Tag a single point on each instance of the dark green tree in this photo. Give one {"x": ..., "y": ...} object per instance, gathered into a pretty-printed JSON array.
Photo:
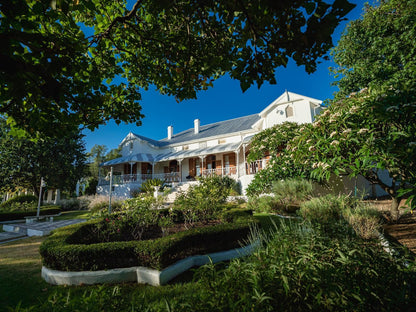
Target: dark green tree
[
  {"x": 372, "y": 131},
  {"x": 23, "y": 162},
  {"x": 54, "y": 76}
]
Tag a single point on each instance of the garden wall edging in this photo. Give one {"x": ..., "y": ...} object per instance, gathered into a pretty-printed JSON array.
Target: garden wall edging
[{"x": 142, "y": 275}]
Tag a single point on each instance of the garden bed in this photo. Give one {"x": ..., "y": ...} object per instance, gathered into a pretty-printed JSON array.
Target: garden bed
[{"x": 67, "y": 249}]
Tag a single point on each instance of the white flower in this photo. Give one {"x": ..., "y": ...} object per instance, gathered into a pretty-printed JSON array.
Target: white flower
[
  {"x": 301, "y": 129},
  {"x": 346, "y": 131},
  {"x": 308, "y": 141},
  {"x": 353, "y": 109},
  {"x": 314, "y": 165},
  {"x": 334, "y": 142},
  {"x": 363, "y": 130},
  {"x": 334, "y": 133},
  {"x": 311, "y": 148},
  {"x": 316, "y": 124}
]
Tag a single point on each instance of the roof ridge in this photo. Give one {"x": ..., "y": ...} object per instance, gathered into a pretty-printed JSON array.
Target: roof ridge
[{"x": 213, "y": 123}]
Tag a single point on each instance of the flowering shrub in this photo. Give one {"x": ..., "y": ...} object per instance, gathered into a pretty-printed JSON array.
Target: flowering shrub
[{"x": 203, "y": 201}]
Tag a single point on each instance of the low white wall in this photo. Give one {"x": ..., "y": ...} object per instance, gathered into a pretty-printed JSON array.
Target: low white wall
[{"x": 141, "y": 274}]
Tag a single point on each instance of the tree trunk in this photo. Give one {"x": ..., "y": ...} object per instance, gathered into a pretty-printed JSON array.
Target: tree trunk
[{"x": 394, "y": 210}]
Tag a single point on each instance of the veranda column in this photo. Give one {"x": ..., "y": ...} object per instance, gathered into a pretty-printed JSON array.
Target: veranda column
[
  {"x": 202, "y": 164},
  {"x": 153, "y": 170},
  {"x": 180, "y": 169},
  {"x": 238, "y": 164},
  {"x": 244, "y": 155}
]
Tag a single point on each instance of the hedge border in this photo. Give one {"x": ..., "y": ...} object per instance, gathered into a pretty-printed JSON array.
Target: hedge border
[
  {"x": 142, "y": 275},
  {"x": 20, "y": 215},
  {"x": 59, "y": 254}
]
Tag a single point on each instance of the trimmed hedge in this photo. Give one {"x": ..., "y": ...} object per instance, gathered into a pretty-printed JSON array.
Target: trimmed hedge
[
  {"x": 59, "y": 253},
  {"x": 45, "y": 210},
  {"x": 19, "y": 199}
]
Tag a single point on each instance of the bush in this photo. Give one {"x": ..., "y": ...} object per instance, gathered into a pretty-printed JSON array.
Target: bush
[
  {"x": 69, "y": 204},
  {"x": 62, "y": 250},
  {"x": 292, "y": 191},
  {"x": 91, "y": 187},
  {"x": 18, "y": 215},
  {"x": 100, "y": 203},
  {"x": 298, "y": 269},
  {"x": 23, "y": 201},
  {"x": 148, "y": 186},
  {"x": 365, "y": 220},
  {"x": 263, "y": 204},
  {"x": 203, "y": 201}
]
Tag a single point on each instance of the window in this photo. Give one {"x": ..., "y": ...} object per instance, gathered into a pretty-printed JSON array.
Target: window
[
  {"x": 202, "y": 144},
  {"x": 131, "y": 146},
  {"x": 222, "y": 141},
  {"x": 185, "y": 147},
  {"x": 289, "y": 111}
]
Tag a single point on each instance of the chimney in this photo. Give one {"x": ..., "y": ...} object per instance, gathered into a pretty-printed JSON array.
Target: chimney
[
  {"x": 196, "y": 126},
  {"x": 170, "y": 132}
]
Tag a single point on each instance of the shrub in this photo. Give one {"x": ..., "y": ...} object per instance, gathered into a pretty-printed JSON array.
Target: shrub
[
  {"x": 364, "y": 219},
  {"x": 203, "y": 201},
  {"x": 100, "y": 203},
  {"x": 62, "y": 250},
  {"x": 91, "y": 187},
  {"x": 18, "y": 215},
  {"x": 323, "y": 210},
  {"x": 298, "y": 269},
  {"x": 263, "y": 204},
  {"x": 148, "y": 186},
  {"x": 69, "y": 204},
  {"x": 19, "y": 202},
  {"x": 292, "y": 191},
  {"x": 233, "y": 214}
]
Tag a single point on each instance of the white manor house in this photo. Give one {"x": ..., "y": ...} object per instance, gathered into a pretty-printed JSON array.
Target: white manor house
[{"x": 219, "y": 148}]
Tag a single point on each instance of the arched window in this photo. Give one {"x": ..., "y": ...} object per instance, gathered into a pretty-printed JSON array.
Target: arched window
[{"x": 289, "y": 111}]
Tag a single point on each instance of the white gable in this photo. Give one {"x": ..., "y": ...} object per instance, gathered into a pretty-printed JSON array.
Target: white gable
[{"x": 289, "y": 107}]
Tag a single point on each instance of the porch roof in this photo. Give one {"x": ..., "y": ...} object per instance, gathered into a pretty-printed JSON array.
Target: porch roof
[
  {"x": 221, "y": 148},
  {"x": 142, "y": 157}
]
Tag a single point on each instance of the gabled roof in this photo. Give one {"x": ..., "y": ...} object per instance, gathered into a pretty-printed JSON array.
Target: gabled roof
[
  {"x": 215, "y": 129},
  {"x": 288, "y": 97},
  {"x": 132, "y": 136}
]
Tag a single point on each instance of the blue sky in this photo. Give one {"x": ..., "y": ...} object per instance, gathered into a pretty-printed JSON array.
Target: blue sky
[{"x": 224, "y": 101}]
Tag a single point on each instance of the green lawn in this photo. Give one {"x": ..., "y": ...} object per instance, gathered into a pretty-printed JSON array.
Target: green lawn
[
  {"x": 76, "y": 214},
  {"x": 20, "y": 278}
]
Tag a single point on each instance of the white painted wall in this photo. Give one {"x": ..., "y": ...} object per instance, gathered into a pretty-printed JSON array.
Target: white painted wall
[{"x": 139, "y": 146}]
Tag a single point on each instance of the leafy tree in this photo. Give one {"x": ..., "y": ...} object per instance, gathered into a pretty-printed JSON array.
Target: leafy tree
[
  {"x": 60, "y": 161},
  {"x": 274, "y": 141},
  {"x": 98, "y": 155},
  {"x": 374, "y": 130},
  {"x": 54, "y": 76}
]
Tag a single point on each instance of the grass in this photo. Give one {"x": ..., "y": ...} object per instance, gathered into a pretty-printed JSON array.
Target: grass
[
  {"x": 20, "y": 279},
  {"x": 76, "y": 214}
]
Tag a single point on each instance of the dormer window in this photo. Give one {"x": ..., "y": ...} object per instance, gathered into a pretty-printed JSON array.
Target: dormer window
[
  {"x": 131, "y": 146},
  {"x": 289, "y": 111}
]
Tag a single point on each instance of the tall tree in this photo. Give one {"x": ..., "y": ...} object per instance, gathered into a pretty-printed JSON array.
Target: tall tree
[
  {"x": 98, "y": 155},
  {"x": 23, "y": 162},
  {"x": 374, "y": 130},
  {"x": 54, "y": 76}
]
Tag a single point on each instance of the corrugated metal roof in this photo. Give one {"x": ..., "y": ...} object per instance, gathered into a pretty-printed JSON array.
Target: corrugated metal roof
[
  {"x": 142, "y": 157},
  {"x": 221, "y": 148},
  {"x": 214, "y": 129},
  {"x": 151, "y": 141}
]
